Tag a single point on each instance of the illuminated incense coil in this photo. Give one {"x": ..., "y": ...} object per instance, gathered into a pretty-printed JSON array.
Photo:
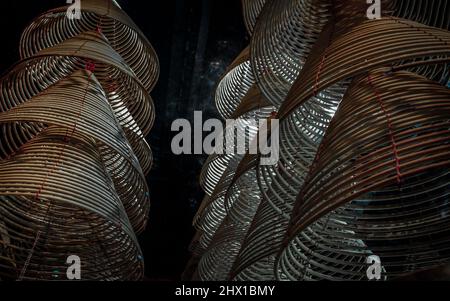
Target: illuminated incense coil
[
  {"x": 309, "y": 58},
  {"x": 257, "y": 247},
  {"x": 230, "y": 81},
  {"x": 406, "y": 40},
  {"x": 242, "y": 202},
  {"x": 234, "y": 85},
  {"x": 244, "y": 107},
  {"x": 76, "y": 203},
  {"x": 287, "y": 30},
  {"x": 251, "y": 10},
  {"x": 53, "y": 27},
  {"x": 217, "y": 164},
  {"x": 289, "y": 182},
  {"x": 218, "y": 173},
  {"x": 278, "y": 49},
  {"x": 73, "y": 117},
  {"x": 384, "y": 161},
  {"x": 131, "y": 103},
  {"x": 61, "y": 105}
]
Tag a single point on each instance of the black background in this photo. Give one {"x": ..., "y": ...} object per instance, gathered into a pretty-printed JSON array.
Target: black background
[{"x": 195, "y": 41}]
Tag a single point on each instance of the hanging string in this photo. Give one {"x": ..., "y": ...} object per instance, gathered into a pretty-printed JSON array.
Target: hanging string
[
  {"x": 99, "y": 27},
  {"x": 390, "y": 129},
  {"x": 319, "y": 71}
]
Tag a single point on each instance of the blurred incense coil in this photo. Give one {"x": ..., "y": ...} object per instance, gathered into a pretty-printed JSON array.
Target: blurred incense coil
[{"x": 74, "y": 114}]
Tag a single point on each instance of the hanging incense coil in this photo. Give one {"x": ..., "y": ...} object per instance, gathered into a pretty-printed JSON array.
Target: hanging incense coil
[
  {"x": 236, "y": 97},
  {"x": 277, "y": 57},
  {"x": 60, "y": 106},
  {"x": 221, "y": 169},
  {"x": 132, "y": 104},
  {"x": 287, "y": 31},
  {"x": 291, "y": 44},
  {"x": 380, "y": 179},
  {"x": 73, "y": 117},
  {"x": 291, "y": 183},
  {"x": 234, "y": 85},
  {"x": 212, "y": 212},
  {"x": 71, "y": 207},
  {"x": 427, "y": 42},
  {"x": 217, "y": 164},
  {"x": 35, "y": 72},
  {"x": 63, "y": 108},
  {"x": 241, "y": 204},
  {"x": 53, "y": 27},
  {"x": 270, "y": 216}
]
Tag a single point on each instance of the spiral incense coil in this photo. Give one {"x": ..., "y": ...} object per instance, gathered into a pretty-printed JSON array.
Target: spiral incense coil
[
  {"x": 385, "y": 159},
  {"x": 93, "y": 117},
  {"x": 287, "y": 30},
  {"x": 73, "y": 116},
  {"x": 279, "y": 185},
  {"x": 242, "y": 200},
  {"x": 53, "y": 27},
  {"x": 280, "y": 49},
  {"x": 365, "y": 48},
  {"x": 76, "y": 203},
  {"x": 239, "y": 98},
  {"x": 212, "y": 211},
  {"x": 217, "y": 164},
  {"x": 221, "y": 244},
  {"x": 303, "y": 56},
  {"x": 132, "y": 104},
  {"x": 268, "y": 219},
  {"x": 242, "y": 203},
  {"x": 251, "y": 10},
  {"x": 321, "y": 99},
  {"x": 219, "y": 172},
  {"x": 282, "y": 188},
  {"x": 305, "y": 126},
  {"x": 234, "y": 85}
]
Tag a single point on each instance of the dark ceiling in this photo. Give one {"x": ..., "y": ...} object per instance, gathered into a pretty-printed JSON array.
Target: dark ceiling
[{"x": 195, "y": 41}]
